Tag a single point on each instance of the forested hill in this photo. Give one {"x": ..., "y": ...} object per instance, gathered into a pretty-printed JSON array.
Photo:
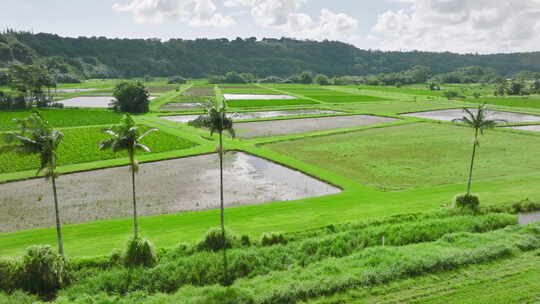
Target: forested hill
[{"x": 102, "y": 57}]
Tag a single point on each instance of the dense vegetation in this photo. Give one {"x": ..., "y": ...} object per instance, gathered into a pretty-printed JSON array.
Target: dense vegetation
[{"x": 98, "y": 57}]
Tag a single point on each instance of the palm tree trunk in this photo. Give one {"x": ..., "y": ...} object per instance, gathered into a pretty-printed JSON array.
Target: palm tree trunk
[
  {"x": 472, "y": 162},
  {"x": 57, "y": 214},
  {"x": 222, "y": 207},
  {"x": 135, "y": 217}
]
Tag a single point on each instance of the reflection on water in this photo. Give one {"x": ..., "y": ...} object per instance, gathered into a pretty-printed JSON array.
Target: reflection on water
[
  {"x": 254, "y": 115},
  {"x": 451, "y": 114},
  {"x": 529, "y": 217}
]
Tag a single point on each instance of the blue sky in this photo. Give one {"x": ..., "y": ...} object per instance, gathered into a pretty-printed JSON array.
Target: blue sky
[{"x": 484, "y": 26}]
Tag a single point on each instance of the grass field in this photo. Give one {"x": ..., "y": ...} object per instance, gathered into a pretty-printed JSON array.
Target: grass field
[
  {"x": 81, "y": 145},
  {"x": 345, "y": 98},
  {"x": 404, "y": 90},
  {"x": 268, "y": 103},
  {"x": 416, "y": 155},
  {"x": 506, "y": 281},
  {"x": 62, "y": 118}
]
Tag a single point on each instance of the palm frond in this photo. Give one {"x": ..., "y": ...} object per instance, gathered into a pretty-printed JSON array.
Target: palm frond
[
  {"x": 146, "y": 133},
  {"x": 142, "y": 147}
]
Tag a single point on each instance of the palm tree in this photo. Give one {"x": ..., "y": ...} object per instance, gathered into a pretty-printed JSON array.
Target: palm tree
[
  {"x": 127, "y": 137},
  {"x": 36, "y": 136},
  {"x": 217, "y": 121},
  {"x": 479, "y": 122}
]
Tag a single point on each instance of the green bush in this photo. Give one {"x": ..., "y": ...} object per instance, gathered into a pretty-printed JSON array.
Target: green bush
[
  {"x": 467, "y": 201},
  {"x": 245, "y": 241},
  {"x": 176, "y": 80},
  {"x": 140, "y": 252},
  {"x": 213, "y": 240},
  {"x": 273, "y": 238},
  {"x": 131, "y": 97},
  {"x": 9, "y": 275},
  {"x": 43, "y": 271}
]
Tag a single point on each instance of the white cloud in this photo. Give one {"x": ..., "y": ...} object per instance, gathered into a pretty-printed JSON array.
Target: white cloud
[
  {"x": 194, "y": 12},
  {"x": 484, "y": 26},
  {"x": 285, "y": 17}
]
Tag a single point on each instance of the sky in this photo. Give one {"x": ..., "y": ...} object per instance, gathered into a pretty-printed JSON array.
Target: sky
[{"x": 463, "y": 26}]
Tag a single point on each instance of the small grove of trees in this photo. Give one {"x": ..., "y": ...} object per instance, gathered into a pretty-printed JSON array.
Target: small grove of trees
[
  {"x": 176, "y": 80},
  {"x": 516, "y": 88},
  {"x": 479, "y": 122},
  {"x": 232, "y": 77},
  {"x": 130, "y": 97},
  {"x": 32, "y": 81}
]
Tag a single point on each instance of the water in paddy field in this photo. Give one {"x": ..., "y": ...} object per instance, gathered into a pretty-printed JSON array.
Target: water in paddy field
[
  {"x": 451, "y": 114},
  {"x": 163, "y": 187},
  {"x": 529, "y": 217},
  {"x": 253, "y": 115},
  {"x": 256, "y": 97},
  {"x": 89, "y": 102}
]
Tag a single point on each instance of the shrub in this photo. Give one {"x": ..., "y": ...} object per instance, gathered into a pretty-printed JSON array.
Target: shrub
[
  {"x": 130, "y": 97},
  {"x": 213, "y": 240},
  {"x": 271, "y": 79},
  {"x": 245, "y": 241},
  {"x": 176, "y": 80},
  {"x": 322, "y": 80},
  {"x": 272, "y": 238},
  {"x": 140, "y": 252},
  {"x": 68, "y": 78},
  {"x": 9, "y": 276},
  {"x": 467, "y": 201},
  {"x": 43, "y": 271}
]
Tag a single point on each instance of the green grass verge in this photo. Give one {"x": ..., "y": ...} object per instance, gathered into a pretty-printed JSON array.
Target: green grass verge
[{"x": 342, "y": 98}]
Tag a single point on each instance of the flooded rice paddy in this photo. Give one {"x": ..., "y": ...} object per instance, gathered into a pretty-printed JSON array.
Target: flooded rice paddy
[
  {"x": 163, "y": 187},
  {"x": 183, "y": 106},
  {"x": 527, "y": 128},
  {"x": 304, "y": 125},
  {"x": 89, "y": 101},
  {"x": 451, "y": 114},
  {"x": 257, "y": 97},
  {"x": 254, "y": 115}
]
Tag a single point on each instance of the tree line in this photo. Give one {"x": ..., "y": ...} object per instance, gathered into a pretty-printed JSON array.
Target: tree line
[{"x": 100, "y": 57}]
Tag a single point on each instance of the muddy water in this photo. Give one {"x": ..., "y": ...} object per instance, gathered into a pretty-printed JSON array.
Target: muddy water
[
  {"x": 449, "y": 115},
  {"x": 182, "y": 106},
  {"x": 527, "y": 128},
  {"x": 89, "y": 101},
  {"x": 257, "y": 97},
  {"x": 529, "y": 217},
  {"x": 163, "y": 187},
  {"x": 304, "y": 125},
  {"x": 253, "y": 115}
]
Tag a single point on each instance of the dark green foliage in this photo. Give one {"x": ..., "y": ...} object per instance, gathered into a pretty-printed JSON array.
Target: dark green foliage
[
  {"x": 9, "y": 275},
  {"x": 322, "y": 79},
  {"x": 13, "y": 101},
  {"x": 467, "y": 201},
  {"x": 131, "y": 97},
  {"x": 471, "y": 74},
  {"x": 271, "y": 79},
  {"x": 417, "y": 74},
  {"x": 245, "y": 241},
  {"x": 305, "y": 78},
  {"x": 213, "y": 240},
  {"x": 140, "y": 252},
  {"x": 450, "y": 94},
  {"x": 273, "y": 238},
  {"x": 68, "y": 78},
  {"x": 43, "y": 271},
  {"x": 176, "y": 80}
]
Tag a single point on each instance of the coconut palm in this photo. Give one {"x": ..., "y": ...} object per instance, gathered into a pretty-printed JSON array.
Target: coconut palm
[
  {"x": 479, "y": 122},
  {"x": 36, "y": 136},
  {"x": 218, "y": 122},
  {"x": 127, "y": 137}
]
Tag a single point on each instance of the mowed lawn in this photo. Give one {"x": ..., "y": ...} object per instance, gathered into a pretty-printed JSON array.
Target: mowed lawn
[
  {"x": 81, "y": 145},
  {"x": 62, "y": 118},
  {"x": 417, "y": 155}
]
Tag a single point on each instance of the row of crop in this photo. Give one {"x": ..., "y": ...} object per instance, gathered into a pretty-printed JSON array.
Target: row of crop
[{"x": 205, "y": 268}]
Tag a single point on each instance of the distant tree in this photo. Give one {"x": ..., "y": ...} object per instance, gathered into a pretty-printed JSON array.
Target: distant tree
[
  {"x": 305, "y": 78},
  {"x": 271, "y": 79},
  {"x": 4, "y": 78},
  {"x": 248, "y": 77},
  {"x": 130, "y": 97},
  {"x": 322, "y": 80},
  {"x": 36, "y": 136},
  {"x": 217, "y": 121},
  {"x": 433, "y": 86},
  {"x": 450, "y": 94},
  {"x": 501, "y": 89},
  {"x": 176, "y": 80},
  {"x": 478, "y": 120},
  {"x": 233, "y": 77},
  {"x": 535, "y": 86},
  {"x": 127, "y": 136},
  {"x": 148, "y": 78},
  {"x": 516, "y": 88}
]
